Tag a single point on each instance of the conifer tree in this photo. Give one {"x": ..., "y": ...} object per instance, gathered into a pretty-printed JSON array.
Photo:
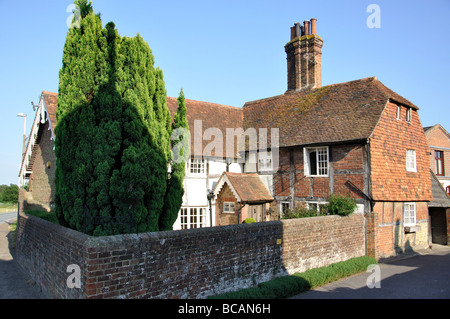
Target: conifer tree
[
  {"x": 113, "y": 132},
  {"x": 180, "y": 144},
  {"x": 83, "y": 71}
]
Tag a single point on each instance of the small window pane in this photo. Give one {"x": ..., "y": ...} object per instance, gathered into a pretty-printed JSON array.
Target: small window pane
[
  {"x": 409, "y": 215},
  {"x": 197, "y": 166},
  {"x": 411, "y": 160}
]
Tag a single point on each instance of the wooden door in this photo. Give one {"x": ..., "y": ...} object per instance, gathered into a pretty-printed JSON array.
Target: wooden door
[{"x": 438, "y": 226}]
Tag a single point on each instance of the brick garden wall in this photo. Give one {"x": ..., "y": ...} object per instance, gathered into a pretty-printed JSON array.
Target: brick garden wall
[{"x": 192, "y": 263}]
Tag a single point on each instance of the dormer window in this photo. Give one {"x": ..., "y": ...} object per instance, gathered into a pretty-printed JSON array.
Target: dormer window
[
  {"x": 399, "y": 111},
  {"x": 408, "y": 114}
]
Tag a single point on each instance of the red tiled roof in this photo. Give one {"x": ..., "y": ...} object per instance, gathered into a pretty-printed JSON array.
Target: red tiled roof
[
  {"x": 212, "y": 115},
  {"x": 334, "y": 113},
  {"x": 50, "y": 99},
  {"x": 248, "y": 186}
]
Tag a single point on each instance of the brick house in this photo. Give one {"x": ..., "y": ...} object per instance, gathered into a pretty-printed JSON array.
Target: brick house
[
  {"x": 357, "y": 138},
  {"x": 438, "y": 140},
  {"x": 240, "y": 196},
  {"x": 202, "y": 172},
  {"x": 439, "y": 212},
  {"x": 39, "y": 162}
]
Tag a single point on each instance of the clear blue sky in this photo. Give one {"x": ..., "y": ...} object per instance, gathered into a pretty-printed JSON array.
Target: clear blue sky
[{"x": 232, "y": 51}]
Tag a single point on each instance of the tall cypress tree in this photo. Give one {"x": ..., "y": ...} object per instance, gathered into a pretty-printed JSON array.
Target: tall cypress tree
[
  {"x": 83, "y": 71},
  {"x": 180, "y": 143},
  {"x": 113, "y": 132}
]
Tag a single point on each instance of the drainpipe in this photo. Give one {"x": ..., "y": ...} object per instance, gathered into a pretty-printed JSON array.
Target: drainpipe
[
  {"x": 368, "y": 190},
  {"x": 210, "y": 196}
]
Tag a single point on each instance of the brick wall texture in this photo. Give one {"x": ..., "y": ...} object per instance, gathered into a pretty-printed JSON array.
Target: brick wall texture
[
  {"x": 438, "y": 140},
  {"x": 346, "y": 164},
  {"x": 42, "y": 181},
  {"x": 192, "y": 263},
  {"x": 391, "y": 138},
  {"x": 386, "y": 235}
]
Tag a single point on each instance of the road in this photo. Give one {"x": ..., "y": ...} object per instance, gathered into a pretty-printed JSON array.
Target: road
[
  {"x": 424, "y": 276},
  {"x": 6, "y": 216}
]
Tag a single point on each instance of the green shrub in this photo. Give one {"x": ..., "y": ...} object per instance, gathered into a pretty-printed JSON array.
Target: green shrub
[
  {"x": 49, "y": 216},
  {"x": 302, "y": 211},
  {"x": 341, "y": 205},
  {"x": 288, "y": 286},
  {"x": 249, "y": 220}
]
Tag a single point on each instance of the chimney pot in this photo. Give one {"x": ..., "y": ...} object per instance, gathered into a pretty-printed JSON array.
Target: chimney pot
[
  {"x": 313, "y": 26},
  {"x": 304, "y": 62},
  {"x": 297, "y": 30},
  {"x": 306, "y": 25},
  {"x": 292, "y": 33}
]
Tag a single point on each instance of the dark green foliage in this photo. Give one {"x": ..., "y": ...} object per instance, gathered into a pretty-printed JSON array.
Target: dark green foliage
[
  {"x": 49, "y": 216},
  {"x": 302, "y": 212},
  {"x": 180, "y": 143},
  {"x": 337, "y": 205},
  {"x": 9, "y": 194},
  {"x": 112, "y": 135},
  {"x": 341, "y": 205},
  {"x": 288, "y": 286}
]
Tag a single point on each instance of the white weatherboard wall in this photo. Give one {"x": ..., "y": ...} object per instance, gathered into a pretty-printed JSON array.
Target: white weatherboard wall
[{"x": 196, "y": 187}]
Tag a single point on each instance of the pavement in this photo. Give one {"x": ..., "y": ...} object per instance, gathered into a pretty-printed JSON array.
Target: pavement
[
  {"x": 423, "y": 274},
  {"x": 14, "y": 282}
]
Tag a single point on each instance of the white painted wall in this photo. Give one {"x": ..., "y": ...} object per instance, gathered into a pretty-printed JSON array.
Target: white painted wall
[{"x": 196, "y": 187}]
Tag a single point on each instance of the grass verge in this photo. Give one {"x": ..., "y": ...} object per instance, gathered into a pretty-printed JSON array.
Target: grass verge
[
  {"x": 8, "y": 207},
  {"x": 12, "y": 235},
  {"x": 288, "y": 286}
]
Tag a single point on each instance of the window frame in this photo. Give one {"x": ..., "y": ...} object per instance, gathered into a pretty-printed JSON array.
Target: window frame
[
  {"x": 265, "y": 162},
  {"x": 318, "y": 203},
  {"x": 201, "y": 166},
  {"x": 409, "y": 208},
  {"x": 225, "y": 203},
  {"x": 398, "y": 113},
  {"x": 307, "y": 162},
  {"x": 408, "y": 114},
  {"x": 192, "y": 217},
  {"x": 288, "y": 203},
  {"x": 439, "y": 160},
  {"x": 411, "y": 160}
]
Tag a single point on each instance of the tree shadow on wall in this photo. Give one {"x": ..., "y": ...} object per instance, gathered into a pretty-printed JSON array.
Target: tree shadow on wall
[{"x": 111, "y": 163}]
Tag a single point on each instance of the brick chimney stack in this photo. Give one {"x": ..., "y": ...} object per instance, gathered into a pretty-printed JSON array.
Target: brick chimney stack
[{"x": 304, "y": 56}]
